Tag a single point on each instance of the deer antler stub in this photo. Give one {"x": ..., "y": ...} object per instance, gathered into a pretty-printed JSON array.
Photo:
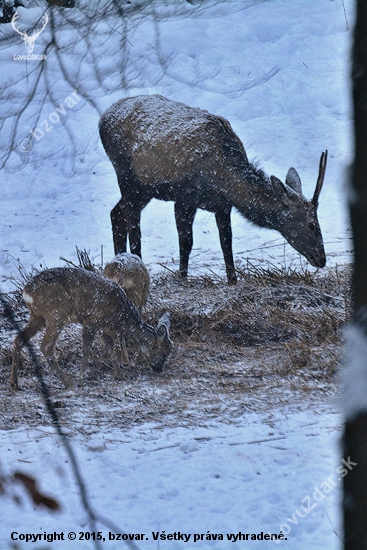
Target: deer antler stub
[{"x": 320, "y": 178}]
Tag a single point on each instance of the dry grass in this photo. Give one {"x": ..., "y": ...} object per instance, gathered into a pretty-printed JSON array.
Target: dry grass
[{"x": 271, "y": 339}]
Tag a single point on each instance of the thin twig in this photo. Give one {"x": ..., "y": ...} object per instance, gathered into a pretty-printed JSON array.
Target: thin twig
[
  {"x": 93, "y": 517},
  {"x": 345, "y": 15}
]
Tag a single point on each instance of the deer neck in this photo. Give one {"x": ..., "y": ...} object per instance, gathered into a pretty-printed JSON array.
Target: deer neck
[
  {"x": 256, "y": 199},
  {"x": 142, "y": 333}
]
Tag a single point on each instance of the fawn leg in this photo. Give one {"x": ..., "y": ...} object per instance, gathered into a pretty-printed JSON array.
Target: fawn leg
[
  {"x": 48, "y": 346},
  {"x": 34, "y": 325},
  {"x": 88, "y": 334},
  {"x": 112, "y": 345}
]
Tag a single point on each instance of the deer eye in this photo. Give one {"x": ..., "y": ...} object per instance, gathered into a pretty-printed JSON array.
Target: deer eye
[{"x": 312, "y": 225}]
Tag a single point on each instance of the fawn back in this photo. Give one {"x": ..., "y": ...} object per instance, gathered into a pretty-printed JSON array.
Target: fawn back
[{"x": 130, "y": 272}]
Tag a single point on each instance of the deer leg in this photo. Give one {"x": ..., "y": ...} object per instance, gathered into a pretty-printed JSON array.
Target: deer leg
[
  {"x": 112, "y": 346},
  {"x": 48, "y": 347},
  {"x": 135, "y": 231},
  {"x": 120, "y": 227},
  {"x": 223, "y": 219},
  {"x": 124, "y": 354},
  {"x": 116, "y": 357},
  {"x": 125, "y": 219},
  {"x": 184, "y": 215},
  {"x": 88, "y": 334},
  {"x": 34, "y": 325}
]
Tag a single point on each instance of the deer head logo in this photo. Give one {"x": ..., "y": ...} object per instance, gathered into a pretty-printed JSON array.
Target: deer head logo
[{"x": 29, "y": 40}]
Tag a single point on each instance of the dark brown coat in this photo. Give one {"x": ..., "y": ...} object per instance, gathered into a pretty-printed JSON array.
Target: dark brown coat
[{"x": 166, "y": 150}]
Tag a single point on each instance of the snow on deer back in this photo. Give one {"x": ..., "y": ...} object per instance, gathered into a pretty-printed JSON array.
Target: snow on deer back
[{"x": 130, "y": 272}]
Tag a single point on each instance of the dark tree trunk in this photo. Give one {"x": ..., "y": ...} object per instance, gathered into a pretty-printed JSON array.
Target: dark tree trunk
[
  {"x": 355, "y": 434},
  {"x": 62, "y": 3}
]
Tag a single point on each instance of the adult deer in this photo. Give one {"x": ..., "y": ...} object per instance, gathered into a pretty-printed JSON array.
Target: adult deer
[
  {"x": 166, "y": 150},
  {"x": 63, "y": 295}
]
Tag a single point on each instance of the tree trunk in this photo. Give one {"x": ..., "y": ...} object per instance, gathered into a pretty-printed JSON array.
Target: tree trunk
[{"x": 355, "y": 367}]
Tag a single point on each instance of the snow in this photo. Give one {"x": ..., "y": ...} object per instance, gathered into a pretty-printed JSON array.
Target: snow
[
  {"x": 278, "y": 71},
  {"x": 258, "y": 475}
]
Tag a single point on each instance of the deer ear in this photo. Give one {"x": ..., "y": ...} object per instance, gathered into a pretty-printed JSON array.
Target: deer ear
[
  {"x": 283, "y": 192},
  {"x": 164, "y": 324},
  {"x": 294, "y": 181}
]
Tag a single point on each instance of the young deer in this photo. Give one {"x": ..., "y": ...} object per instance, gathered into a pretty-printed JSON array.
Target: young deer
[
  {"x": 56, "y": 297},
  {"x": 166, "y": 150},
  {"x": 129, "y": 271}
]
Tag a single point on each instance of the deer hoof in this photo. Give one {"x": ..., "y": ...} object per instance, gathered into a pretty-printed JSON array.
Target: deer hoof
[
  {"x": 118, "y": 373},
  {"x": 14, "y": 386},
  {"x": 81, "y": 381}
]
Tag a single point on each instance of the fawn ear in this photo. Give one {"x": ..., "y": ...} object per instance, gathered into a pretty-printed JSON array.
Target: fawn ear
[{"x": 164, "y": 324}]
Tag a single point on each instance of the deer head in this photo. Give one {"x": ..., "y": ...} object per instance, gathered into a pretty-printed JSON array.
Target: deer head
[
  {"x": 29, "y": 40},
  {"x": 298, "y": 220}
]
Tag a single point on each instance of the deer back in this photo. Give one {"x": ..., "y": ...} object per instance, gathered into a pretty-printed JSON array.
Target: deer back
[
  {"x": 130, "y": 272},
  {"x": 167, "y": 143}
]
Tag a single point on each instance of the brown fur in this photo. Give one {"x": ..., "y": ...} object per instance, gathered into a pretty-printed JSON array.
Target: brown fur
[
  {"x": 166, "y": 150},
  {"x": 63, "y": 295},
  {"x": 130, "y": 272}
]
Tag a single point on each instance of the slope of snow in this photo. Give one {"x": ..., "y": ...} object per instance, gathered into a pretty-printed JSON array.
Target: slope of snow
[{"x": 279, "y": 76}]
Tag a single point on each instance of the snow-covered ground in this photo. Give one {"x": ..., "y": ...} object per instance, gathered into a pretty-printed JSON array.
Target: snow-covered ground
[
  {"x": 271, "y": 472},
  {"x": 279, "y": 72}
]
